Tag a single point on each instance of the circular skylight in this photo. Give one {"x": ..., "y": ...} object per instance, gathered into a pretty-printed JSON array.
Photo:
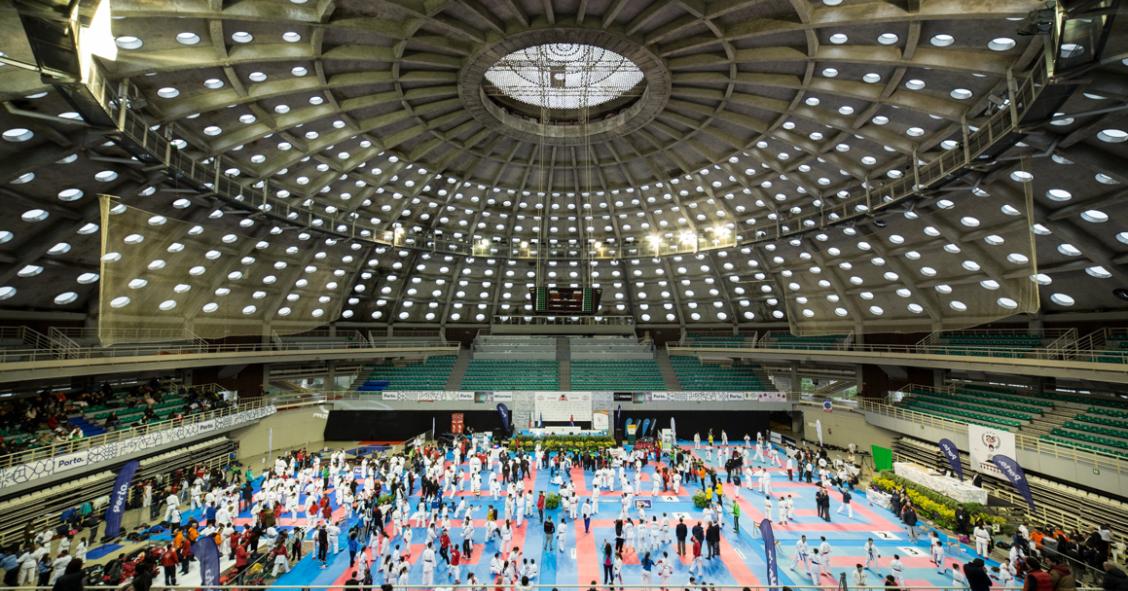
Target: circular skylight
[
  {"x": 564, "y": 75},
  {"x": 942, "y": 40},
  {"x": 18, "y": 134},
  {"x": 129, "y": 42},
  {"x": 1001, "y": 44},
  {"x": 1061, "y": 299},
  {"x": 1113, "y": 136}
]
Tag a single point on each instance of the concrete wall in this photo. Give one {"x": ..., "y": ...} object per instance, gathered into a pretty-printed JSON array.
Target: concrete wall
[
  {"x": 843, "y": 427},
  {"x": 303, "y": 426}
]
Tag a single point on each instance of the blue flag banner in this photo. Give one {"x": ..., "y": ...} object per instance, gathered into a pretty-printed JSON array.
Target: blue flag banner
[
  {"x": 653, "y": 425},
  {"x": 1016, "y": 475},
  {"x": 952, "y": 454},
  {"x": 208, "y": 555},
  {"x": 618, "y": 415},
  {"x": 643, "y": 429},
  {"x": 770, "y": 559},
  {"x": 503, "y": 412},
  {"x": 118, "y": 498}
]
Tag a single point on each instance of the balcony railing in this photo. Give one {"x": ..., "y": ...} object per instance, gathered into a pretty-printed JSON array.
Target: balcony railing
[
  {"x": 996, "y": 354},
  {"x": 15, "y": 355},
  {"x": 1022, "y": 441},
  {"x": 67, "y": 447}
]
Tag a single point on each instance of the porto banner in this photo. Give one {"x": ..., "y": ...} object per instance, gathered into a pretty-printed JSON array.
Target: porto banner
[
  {"x": 770, "y": 559},
  {"x": 618, "y": 415},
  {"x": 1010, "y": 468},
  {"x": 119, "y": 496},
  {"x": 208, "y": 555},
  {"x": 503, "y": 412},
  {"x": 952, "y": 454}
]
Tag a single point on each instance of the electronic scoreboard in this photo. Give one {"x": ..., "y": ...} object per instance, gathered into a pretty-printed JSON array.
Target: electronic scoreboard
[{"x": 565, "y": 300}]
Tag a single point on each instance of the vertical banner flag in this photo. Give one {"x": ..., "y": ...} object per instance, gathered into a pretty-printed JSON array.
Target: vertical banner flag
[
  {"x": 770, "y": 552},
  {"x": 952, "y": 454},
  {"x": 653, "y": 425},
  {"x": 1010, "y": 468},
  {"x": 208, "y": 555},
  {"x": 618, "y": 415},
  {"x": 818, "y": 431},
  {"x": 644, "y": 428},
  {"x": 503, "y": 412},
  {"x": 673, "y": 430},
  {"x": 118, "y": 498}
]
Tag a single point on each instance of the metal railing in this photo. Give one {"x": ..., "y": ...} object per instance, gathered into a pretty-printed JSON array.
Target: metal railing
[
  {"x": 66, "y": 447},
  {"x": 14, "y": 355},
  {"x": 564, "y": 320},
  {"x": 1097, "y": 459},
  {"x": 996, "y": 354}
]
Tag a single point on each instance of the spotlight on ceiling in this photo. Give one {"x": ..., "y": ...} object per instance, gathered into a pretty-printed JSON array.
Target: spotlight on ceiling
[
  {"x": 1121, "y": 293},
  {"x": 879, "y": 222}
]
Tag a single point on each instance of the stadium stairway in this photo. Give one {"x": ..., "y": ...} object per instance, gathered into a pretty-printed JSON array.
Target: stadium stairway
[
  {"x": 564, "y": 359},
  {"x": 668, "y": 373},
  {"x": 459, "y": 369}
]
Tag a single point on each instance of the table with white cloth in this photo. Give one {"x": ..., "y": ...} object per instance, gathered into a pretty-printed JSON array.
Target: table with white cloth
[
  {"x": 963, "y": 492},
  {"x": 880, "y": 499}
]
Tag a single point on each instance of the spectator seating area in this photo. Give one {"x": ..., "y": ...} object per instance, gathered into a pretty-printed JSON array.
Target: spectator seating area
[
  {"x": 1082, "y": 421},
  {"x": 729, "y": 341},
  {"x": 514, "y": 374},
  {"x": 619, "y": 374},
  {"x": 431, "y": 373},
  {"x": 608, "y": 347},
  {"x": 54, "y": 416},
  {"x": 784, "y": 340},
  {"x": 971, "y": 342},
  {"x": 694, "y": 375},
  {"x": 1101, "y": 427},
  {"x": 514, "y": 347},
  {"x": 974, "y": 409}
]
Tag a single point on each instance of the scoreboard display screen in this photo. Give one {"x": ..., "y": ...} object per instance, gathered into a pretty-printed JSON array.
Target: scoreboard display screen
[{"x": 565, "y": 300}]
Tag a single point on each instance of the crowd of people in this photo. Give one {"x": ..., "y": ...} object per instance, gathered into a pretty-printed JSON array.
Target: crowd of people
[
  {"x": 379, "y": 507},
  {"x": 44, "y": 418}
]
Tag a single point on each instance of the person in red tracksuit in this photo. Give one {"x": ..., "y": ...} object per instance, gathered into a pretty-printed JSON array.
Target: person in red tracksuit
[
  {"x": 169, "y": 562},
  {"x": 241, "y": 558}
]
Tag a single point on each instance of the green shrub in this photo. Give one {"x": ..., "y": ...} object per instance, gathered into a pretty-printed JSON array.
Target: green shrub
[
  {"x": 932, "y": 505},
  {"x": 700, "y": 499},
  {"x": 552, "y": 501},
  {"x": 563, "y": 443}
]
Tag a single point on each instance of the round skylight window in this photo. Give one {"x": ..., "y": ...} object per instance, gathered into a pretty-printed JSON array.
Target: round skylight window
[{"x": 564, "y": 76}]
